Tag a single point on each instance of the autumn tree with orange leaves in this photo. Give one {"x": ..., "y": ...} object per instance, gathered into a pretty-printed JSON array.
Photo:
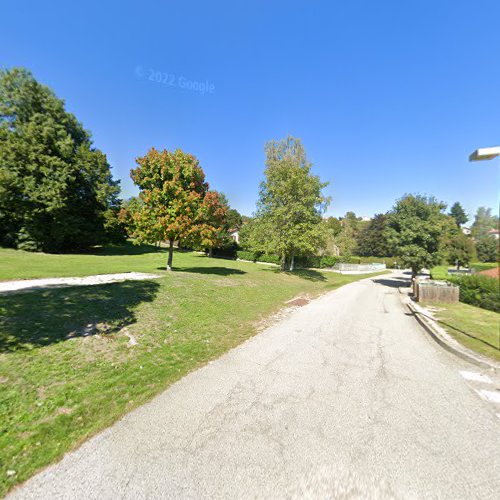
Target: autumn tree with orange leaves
[{"x": 177, "y": 204}]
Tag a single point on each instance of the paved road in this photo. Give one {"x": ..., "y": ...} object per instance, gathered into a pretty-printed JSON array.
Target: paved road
[{"x": 346, "y": 397}]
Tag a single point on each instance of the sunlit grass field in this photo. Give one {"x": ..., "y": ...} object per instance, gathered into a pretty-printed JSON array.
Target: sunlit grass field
[{"x": 67, "y": 369}]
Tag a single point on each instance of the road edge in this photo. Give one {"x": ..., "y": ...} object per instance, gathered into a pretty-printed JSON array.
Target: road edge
[{"x": 439, "y": 335}]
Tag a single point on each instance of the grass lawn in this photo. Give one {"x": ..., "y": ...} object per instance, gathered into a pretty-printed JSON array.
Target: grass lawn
[
  {"x": 66, "y": 371},
  {"x": 484, "y": 266},
  {"x": 16, "y": 264},
  {"x": 476, "y": 328},
  {"x": 441, "y": 272}
]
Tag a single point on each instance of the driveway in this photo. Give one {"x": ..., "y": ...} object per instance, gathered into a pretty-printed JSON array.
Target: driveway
[{"x": 345, "y": 397}]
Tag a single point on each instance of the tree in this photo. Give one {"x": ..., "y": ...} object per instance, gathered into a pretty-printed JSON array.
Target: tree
[
  {"x": 372, "y": 239},
  {"x": 56, "y": 190},
  {"x": 459, "y": 249},
  {"x": 458, "y": 213},
  {"x": 483, "y": 222},
  {"x": 289, "y": 211},
  {"x": 415, "y": 229},
  {"x": 487, "y": 249},
  {"x": 332, "y": 229},
  {"x": 213, "y": 222},
  {"x": 126, "y": 213},
  {"x": 346, "y": 239},
  {"x": 173, "y": 191}
]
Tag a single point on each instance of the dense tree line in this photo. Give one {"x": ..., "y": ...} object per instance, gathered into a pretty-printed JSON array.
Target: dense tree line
[
  {"x": 57, "y": 194},
  {"x": 56, "y": 190}
]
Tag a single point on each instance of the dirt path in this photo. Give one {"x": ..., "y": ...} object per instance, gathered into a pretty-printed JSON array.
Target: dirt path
[{"x": 98, "y": 279}]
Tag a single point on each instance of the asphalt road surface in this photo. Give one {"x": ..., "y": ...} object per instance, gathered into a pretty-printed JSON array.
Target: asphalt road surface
[{"x": 346, "y": 397}]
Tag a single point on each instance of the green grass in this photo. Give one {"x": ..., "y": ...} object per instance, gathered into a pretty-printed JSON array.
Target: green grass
[
  {"x": 16, "y": 264},
  {"x": 58, "y": 386},
  {"x": 441, "y": 272},
  {"x": 476, "y": 328},
  {"x": 483, "y": 266}
]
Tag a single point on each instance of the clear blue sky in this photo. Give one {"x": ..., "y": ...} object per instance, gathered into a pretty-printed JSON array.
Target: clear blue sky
[{"x": 388, "y": 97}]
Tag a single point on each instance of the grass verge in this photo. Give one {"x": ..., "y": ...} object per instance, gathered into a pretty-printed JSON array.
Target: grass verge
[
  {"x": 475, "y": 328},
  {"x": 67, "y": 369}
]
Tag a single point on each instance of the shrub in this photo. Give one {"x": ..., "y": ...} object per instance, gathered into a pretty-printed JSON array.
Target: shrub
[
  {"x": 480, "y": 291},
  {"x": 272, "y": 259},
  {"x": 246, "y": 255},
  {"x": 229, "y": 250}
]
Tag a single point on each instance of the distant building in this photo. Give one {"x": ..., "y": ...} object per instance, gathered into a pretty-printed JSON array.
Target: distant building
[
  {"x": 495, "y": 233},
  {"x": 235, "y": 235},
  {"x": 466, "y": 230}
]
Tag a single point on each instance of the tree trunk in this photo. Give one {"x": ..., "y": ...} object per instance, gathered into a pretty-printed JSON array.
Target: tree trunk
[
  {"x": 170, "y": 254},
  {"x": 210, "y": 252},
  {"x": 283, "y": 262},
  {"x": 292, "y": 262}
]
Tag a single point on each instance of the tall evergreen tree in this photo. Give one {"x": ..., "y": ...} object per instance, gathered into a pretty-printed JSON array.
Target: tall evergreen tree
[
  {"x": 372, "y": 239},
  {"x": 458, "y": 213},
  {"x": 56, "y": 190}
]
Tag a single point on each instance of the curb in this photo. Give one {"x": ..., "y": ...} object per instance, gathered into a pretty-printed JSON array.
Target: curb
[{"x": 447, "y": 342}]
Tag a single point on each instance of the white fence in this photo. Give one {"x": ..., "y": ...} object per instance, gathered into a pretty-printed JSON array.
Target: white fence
[{"x": 359, "y": 268}]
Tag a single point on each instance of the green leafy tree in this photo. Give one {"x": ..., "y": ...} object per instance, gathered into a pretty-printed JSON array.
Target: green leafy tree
[
  {"x": 173, "y": 189},
  {"x": 459, "y": 249},
  {"x": 458, "y": 213},
  {"x": 332, "y": 229},
  {"x": 126, "y": 213},
  {"x": 346, "y": 239},
  {"x": 372, "y": 239},
  {"x": 213, "y": 221},
  {"x": 487, "y": 249},
  {"x": 56, "y": 190},
  {"x": 289, "y": 211},
  {"x": 415, "y": 229},
  {"x": 483, "y": 222}
]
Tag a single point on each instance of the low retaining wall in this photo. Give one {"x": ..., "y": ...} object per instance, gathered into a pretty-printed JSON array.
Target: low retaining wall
[
  {"x": 359, "y": 268},
  {"x": 437, "y": 291}
]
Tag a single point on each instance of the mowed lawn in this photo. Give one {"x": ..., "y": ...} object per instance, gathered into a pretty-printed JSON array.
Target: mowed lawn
[
  {"x": 67, "y": 369},
  {"x": 15, "y": 264},
  {"x": 476, "y": 328},
  {"x": 441, "y": 272}
]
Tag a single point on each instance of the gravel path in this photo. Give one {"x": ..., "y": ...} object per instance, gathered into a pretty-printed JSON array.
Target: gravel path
[
  {"x": 98, "y": 279},
  {"x": 345, "y": 398}
]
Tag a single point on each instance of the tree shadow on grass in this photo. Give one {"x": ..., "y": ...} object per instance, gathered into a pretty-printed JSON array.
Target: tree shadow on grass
[
  {"x": 463, "y": 332},
  {"x": 39, "y": 318},
  {"x": 127, "y": 248},
  {"x": 306, "y": 274},
  {"x": 221, "y": 271}
]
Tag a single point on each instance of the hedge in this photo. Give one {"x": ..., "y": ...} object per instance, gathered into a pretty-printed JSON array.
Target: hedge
[
  {"x": 246, "y": 255},
  {"x": 480, "y": 291},
  {"x": 323, "y": 262}
]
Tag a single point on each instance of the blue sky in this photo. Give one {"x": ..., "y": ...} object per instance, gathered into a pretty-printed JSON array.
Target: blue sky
[{"x": 388, "y": 97}]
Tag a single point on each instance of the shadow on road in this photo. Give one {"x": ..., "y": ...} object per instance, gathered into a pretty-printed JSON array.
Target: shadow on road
[{"x": 393, "y": 282}]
